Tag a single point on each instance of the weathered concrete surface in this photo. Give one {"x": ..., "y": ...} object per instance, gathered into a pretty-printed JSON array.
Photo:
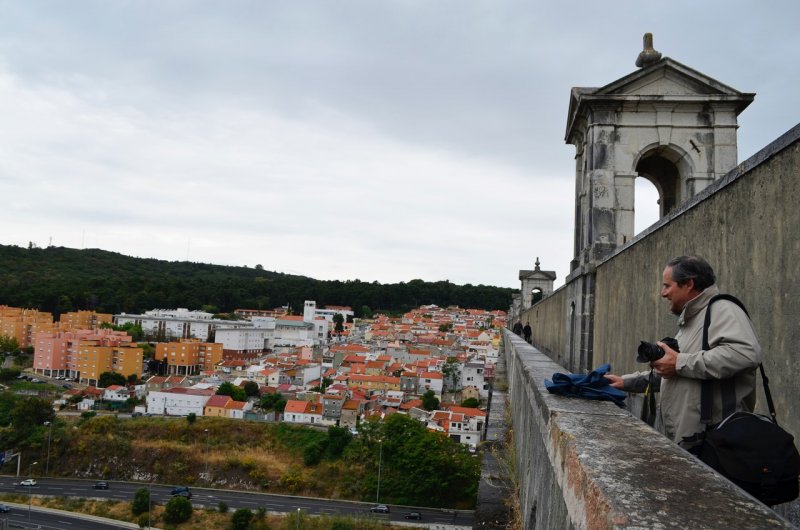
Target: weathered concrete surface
[
  {"x": 496, "y": 488},
  {"x": 588, "y": 464}
]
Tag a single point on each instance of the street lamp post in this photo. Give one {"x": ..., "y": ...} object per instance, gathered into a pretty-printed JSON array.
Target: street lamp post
[
  {"x": 208, "y": 440},
  {"x": 298, "y": 519},
  {"x": 380, "y": 459},
  {"x": 30, "y": 493},
  {"x": 49, "y": 437}
]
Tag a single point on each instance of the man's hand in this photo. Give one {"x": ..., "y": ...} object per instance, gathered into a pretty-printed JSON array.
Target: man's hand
[
  {"x": 665, "y": 366},
  {"x": 614, "y": 381}
]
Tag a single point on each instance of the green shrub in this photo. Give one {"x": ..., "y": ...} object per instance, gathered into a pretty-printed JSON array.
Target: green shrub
[
  {"x": 222, "y": 507},
  {"x": 241, "y": 518},
  {"x": 178, "y": 510},
  {"x": 141, "y": 502}
]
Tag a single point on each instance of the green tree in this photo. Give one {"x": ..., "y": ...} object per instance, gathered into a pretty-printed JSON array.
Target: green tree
[
  {"x": 9, "y": 344},
  {"x": 8, "y": 401},
  {"x": 366, "y": 312},
  {"x": 134, "y": 330},
  {"x": 178, "y": 510},
  {"x": 191, "y": 418},
  {"x": 222, "y": 507},
  {"x": 241, "y": 519},
  {"x": 274, "y": 402},
  {"x": 312, "y": 453},
  {"x": 229, "y": 389},
  {"x": 8, "y": 374},
  {"x": 430, "y": 401},
  {"x": 338, "y": 320},
  {"x": 132, "y": 379},
  {"x": 148, "y": 352},
  {"x": 470, "y": 403},
  {"x": 108, "y": 379},
  {"x": 452, "y": 374},
  {"x": 251, "y": 389},
  {"x": 420, "y": 467},
  {"x": 141, "y": 501},
  {"x": 447, "y": 326},
  {"x": 338, "y": 439},
  {"x": 30, "y": 413}
]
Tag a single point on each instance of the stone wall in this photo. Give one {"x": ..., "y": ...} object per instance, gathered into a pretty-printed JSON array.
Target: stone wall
[
  {"x": 590, "y": 464},
  {"x": 746, "y": 224}
]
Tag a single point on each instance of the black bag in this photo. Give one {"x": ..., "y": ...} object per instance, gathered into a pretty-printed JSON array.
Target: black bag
[
  {"x": 757, "y": 455},
  {"x": 750, "y": 450}
]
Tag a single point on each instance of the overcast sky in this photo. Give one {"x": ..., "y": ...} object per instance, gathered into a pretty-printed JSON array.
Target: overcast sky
[{"x": 378, "y": 140}]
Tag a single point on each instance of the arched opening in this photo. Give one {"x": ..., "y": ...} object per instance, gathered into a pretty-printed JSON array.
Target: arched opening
[
  {"x": 647, "y": 209},
  {"x": 536, "y": 295},
  {"x": 660, "y": 167}
]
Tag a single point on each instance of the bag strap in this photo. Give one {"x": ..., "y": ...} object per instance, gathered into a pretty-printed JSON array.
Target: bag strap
[{"x": 727, "y": 386}]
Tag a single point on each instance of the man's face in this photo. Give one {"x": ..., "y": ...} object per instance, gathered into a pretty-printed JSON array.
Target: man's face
[{"x": 678, "y": 295}]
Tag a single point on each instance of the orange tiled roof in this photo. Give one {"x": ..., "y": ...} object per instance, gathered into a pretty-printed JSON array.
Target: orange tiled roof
[
  {"x": 295, "y": 406},
  {"x": 218, "y": 401}
]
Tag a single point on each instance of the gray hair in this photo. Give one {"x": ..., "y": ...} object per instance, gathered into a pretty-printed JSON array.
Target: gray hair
[{"x": 685, "y": 268}]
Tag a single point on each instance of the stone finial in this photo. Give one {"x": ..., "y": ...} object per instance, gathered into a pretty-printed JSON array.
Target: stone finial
[
  {"x": 537, "y": 264},
  {"x": 648, "y": 55}
]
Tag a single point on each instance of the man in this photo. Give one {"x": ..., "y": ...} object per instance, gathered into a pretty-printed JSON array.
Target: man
[
  {"x": 688, "y": 285},
  {"x": 517, "y": 328},
  {"x": 527, "y": 332}
]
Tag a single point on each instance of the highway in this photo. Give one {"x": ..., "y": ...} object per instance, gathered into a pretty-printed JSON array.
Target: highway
[{"x": 206, "y": 497}]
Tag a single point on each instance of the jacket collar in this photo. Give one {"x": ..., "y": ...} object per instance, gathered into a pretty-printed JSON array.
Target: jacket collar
[{"x": 697, "y": 304}]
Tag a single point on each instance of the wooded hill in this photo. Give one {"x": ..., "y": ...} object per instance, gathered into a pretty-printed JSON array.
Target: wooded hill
[{"x": 58, "y": 279}]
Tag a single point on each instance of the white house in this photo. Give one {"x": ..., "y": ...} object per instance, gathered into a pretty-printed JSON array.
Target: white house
[
  {"x": 461, "y": 424},
  {"x": 431, "y": 381},
  {"x": 472, "y": 374},
  {"x": 306, "y": 412},
  {"x": 116, "y": 393},
  {"x": 178, "y": 401}
]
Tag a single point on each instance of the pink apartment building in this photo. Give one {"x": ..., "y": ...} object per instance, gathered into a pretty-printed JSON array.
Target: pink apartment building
[{"x": 55, "y": 354}]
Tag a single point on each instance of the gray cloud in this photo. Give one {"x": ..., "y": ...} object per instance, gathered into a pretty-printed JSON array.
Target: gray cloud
[{"x": 378, "y": 140}]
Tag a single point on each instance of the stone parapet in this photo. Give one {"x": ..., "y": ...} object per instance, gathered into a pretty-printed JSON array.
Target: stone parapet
[{"x": 590, "y": 464}]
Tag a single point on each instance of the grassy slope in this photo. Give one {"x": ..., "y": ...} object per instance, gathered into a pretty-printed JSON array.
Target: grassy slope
[{"x": 239, "y": 455}]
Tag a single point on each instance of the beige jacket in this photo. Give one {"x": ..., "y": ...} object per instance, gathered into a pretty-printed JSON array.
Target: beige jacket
[{"x": 735, "y": 352}]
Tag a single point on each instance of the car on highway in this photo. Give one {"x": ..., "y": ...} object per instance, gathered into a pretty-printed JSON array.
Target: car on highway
[
  {"x": 4, "y": 508},
  {"x": 181, "y": 491},
  {"x": 28, "y": 482},
  {"x": 413, "y": 515},
  {"x": 380, "y": 508},
  {"x": 100, "y": 485}
]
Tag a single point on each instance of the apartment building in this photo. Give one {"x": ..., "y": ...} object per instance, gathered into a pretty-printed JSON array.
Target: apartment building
[
  {"x": 176, "y": 324},
  {"x": 107, "y": 355},
  {"x": 189, "y": 357},
  {"x": 55, "y": 354},
  {"x": 83, "y": 320},
  {"x": 24, "y": 324}
]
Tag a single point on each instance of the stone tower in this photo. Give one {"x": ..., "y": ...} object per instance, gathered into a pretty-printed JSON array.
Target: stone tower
[
  {"x": 665, "y": 122},
  {"x": 536, "y": 284}
]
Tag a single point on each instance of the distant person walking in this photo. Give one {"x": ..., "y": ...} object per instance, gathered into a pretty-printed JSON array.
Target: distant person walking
[
  {"x": 527, "y": 332},
  {"x": 517, "y": 329}
]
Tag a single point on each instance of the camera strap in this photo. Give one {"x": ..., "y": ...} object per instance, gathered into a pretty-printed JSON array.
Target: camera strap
[{"x": 649, "y": 406}]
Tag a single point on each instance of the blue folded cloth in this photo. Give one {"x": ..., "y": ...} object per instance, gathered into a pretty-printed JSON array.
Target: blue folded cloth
[{"x": 587, "y": 386}]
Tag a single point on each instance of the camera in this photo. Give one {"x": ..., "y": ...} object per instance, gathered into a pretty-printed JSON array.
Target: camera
[{"x": 650, "y": 351}]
